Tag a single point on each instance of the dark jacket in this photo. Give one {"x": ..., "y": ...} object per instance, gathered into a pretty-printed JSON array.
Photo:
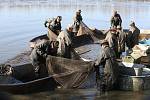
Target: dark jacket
[
  {"x": 46, "y": 48},
  {"x": 78, "y": 19},
  {"x": 107, "y": 60},
  {"x": 55, "y": 26},
  {"x": 41, "y": 51},
  {"x": 112, "y": 41},
  {"x": 121, "y": 41},
  {"x": 133, "y": 38},
  {"x": 116, "y": 20}
]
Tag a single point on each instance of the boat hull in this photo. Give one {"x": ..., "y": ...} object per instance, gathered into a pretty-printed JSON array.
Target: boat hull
[
  {"x": 37, "y": 85},
  {"x": 23, "y": 80}
]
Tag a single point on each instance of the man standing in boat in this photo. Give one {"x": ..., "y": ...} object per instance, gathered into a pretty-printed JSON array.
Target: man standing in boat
[
  {"x": 54, "y": 25},
  {"x": 40, "y": 53},
  {"x": 121, "y": 40},
  {"x": 112, "y": 39},
  {"x": 77, "y": 21},
  {"x": 116, "y": 20},
  {"x": 132, "y": 36},
  {"x": 107, "y": 60},
  {"x": 65, "y": 42}
]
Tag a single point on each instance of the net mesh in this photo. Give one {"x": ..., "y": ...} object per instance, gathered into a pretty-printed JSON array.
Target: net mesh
[
  {"x": 84, "y": 29},
  {"x": 68, "y": 72}
]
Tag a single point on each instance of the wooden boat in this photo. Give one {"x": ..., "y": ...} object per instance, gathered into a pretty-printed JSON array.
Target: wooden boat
[
  {"x": 145, "y": 34},
  {"x": 24, "y": 74},
  {"x": 84, "y": 36},
  {"x": 42, "y": 84},
  {"x": 80, "y": 42},
  {"x": 22, "y": 82},
  {"x": 35, "y": 40},
  {"x": 34, "y": 84}
]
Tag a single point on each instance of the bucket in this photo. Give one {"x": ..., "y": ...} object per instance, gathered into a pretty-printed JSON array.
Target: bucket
[{"x": 138, "y": 71}]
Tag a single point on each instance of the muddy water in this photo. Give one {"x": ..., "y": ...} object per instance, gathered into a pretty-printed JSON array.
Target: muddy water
[{"x": 21, "y": 20}]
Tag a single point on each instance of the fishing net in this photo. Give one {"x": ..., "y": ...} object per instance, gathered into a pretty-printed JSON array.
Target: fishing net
[
  {"x": 68, "y": 73},
  {"x": 84, "y": 29}
]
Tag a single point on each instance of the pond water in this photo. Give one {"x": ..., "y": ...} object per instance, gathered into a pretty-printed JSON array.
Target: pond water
[
  {"x": 79, "y": 94},
  {"x": 22, "y": 20}
]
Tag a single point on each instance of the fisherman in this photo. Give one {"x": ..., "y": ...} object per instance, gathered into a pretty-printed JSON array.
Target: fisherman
[
  {"x": 40, "y": 53},
  {"x": 77, "y": 20},
  {"x": 5, "y": 70},
  {"x": 48, "y": 22},
  {"x": 148, "y": 55},
  {"x": 65, "y": 42},
  {"x": 116, "y": 20},
  {"x": 132, "y": 36},
  {"x": 121, "y": 40},
  {"x": 107, "y": 60},
  {"x": 112, "y": 39},
  {"x": 54, "y": 25}
]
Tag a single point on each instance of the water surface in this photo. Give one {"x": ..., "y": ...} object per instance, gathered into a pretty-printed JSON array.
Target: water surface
[{"x": 22, "y": 20}]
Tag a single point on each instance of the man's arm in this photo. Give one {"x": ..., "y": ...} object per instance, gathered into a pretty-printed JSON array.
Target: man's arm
[
  {"x": 80, "y": 18},
  {"x": 45, "y": 24},
  {"x": 100, "y": 59},
  {"x": 112, "y": 21},
  {"x": 120, "y": 19}
]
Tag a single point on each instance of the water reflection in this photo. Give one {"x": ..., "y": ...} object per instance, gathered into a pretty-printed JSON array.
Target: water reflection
[{"x": 83, "y": 94}]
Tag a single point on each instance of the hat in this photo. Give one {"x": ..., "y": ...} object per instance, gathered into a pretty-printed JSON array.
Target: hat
[
  {"x": 104, "y": 42},
  {"x": 59, "y": 17},
  {"x": 79, "y": 10},
  {"x": 132, "y": 23},
  {"x": 115, "y": 11}
]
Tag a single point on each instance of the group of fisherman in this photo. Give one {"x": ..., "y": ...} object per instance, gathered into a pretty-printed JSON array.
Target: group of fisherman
[{"x": 112, "y": 46}]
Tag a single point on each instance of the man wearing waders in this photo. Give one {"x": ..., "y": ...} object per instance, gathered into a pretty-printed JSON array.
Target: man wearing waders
[
  {"x": 54, "y": 25},
  {"x": 116, "y": 20},
  {"x": 121, "y": 40},
  {"x": 107, "y": 60},
  {"x": 132, "y": 36},
  {"x": 65, "y": 42},
  {"x": 111, "y": 37},
  {"x": 39, "y": 55},
  {"x": 77, "y": 21}
]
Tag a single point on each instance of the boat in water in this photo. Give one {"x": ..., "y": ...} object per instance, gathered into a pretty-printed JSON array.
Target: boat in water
[
  {"x": 130, "y": 78},
  {"x": 23, "y": 80},
  {"x": 86, "y": 46}
]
